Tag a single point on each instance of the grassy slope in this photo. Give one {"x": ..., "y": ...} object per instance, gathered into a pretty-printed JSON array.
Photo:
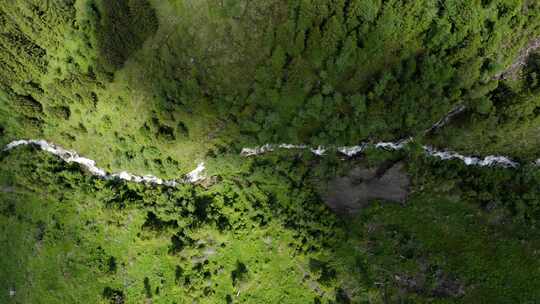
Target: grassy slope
[
  {"x": 79, "y": 240},
  {"x": 83, "y": 240}
]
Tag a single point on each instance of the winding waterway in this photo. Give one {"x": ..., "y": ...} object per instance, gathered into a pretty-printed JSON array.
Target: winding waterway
[
  {"x": 69, "y": 156},
  {"x": 197, "y": 175}
]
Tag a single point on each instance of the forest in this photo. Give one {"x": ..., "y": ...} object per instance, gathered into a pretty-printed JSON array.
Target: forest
[{"x": 155, "y": 87}]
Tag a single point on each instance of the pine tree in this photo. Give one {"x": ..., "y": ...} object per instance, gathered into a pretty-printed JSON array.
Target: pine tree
[
  {"x": 315, "y": 52},
  {"x": 306, "y": 15},
  {"x": 278, "y": 59},
  {"x": 332, "y": 36}
]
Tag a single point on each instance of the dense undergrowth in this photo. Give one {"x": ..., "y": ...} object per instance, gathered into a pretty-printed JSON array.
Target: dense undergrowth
[
  {"x": 465, "y": 236},
  {"x": 72, "y": 238},
  {"x": 153, "y": 86},
  {"x": 509, "y": 124}
]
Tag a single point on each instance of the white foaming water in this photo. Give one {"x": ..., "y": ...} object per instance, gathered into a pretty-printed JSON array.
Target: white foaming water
[
  {"x": 490, "y": 160},
  {"x": 352, "y": 150},
  {"x": 320, "y": 151},
  {"x": 261, "y": 150},
  {"x": 193, "y": 177},
  {"x": 197, "y": 175},
  {"x": 391, "y": 145},
  {"x": 349, "y": 151},
  {"x": 289, "y": 146}
]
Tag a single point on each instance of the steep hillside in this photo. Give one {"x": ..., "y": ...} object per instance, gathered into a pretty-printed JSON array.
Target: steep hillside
[
  {"x": 300, "y": 151},
  {"x": 154, "y": 86}
]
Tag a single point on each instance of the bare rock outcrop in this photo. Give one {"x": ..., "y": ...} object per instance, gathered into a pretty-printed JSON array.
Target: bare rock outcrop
[{"x": 347, "y": 195}]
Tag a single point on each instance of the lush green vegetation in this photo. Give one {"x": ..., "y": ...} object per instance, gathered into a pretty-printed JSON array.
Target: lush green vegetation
[
  {"x": 86, "y": 240},
  {"x": 506, "y": 123},
  {"x": 156, "y": 86},
  {"x": 151, "y": 86},
  {"x": 72, "y": 238}
]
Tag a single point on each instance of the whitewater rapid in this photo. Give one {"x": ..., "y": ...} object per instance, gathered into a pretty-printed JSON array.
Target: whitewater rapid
[
  {"x": 197, "y": 175},
  {"x": 68, "y": 156},
  {"x": 350, "y": 151}
]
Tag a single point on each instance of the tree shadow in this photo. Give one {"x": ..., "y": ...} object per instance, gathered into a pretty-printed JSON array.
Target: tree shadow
[{"x": 122, "y": 28}]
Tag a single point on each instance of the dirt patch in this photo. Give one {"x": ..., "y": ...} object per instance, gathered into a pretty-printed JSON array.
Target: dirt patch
[{"x": 347, "y": 195}]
